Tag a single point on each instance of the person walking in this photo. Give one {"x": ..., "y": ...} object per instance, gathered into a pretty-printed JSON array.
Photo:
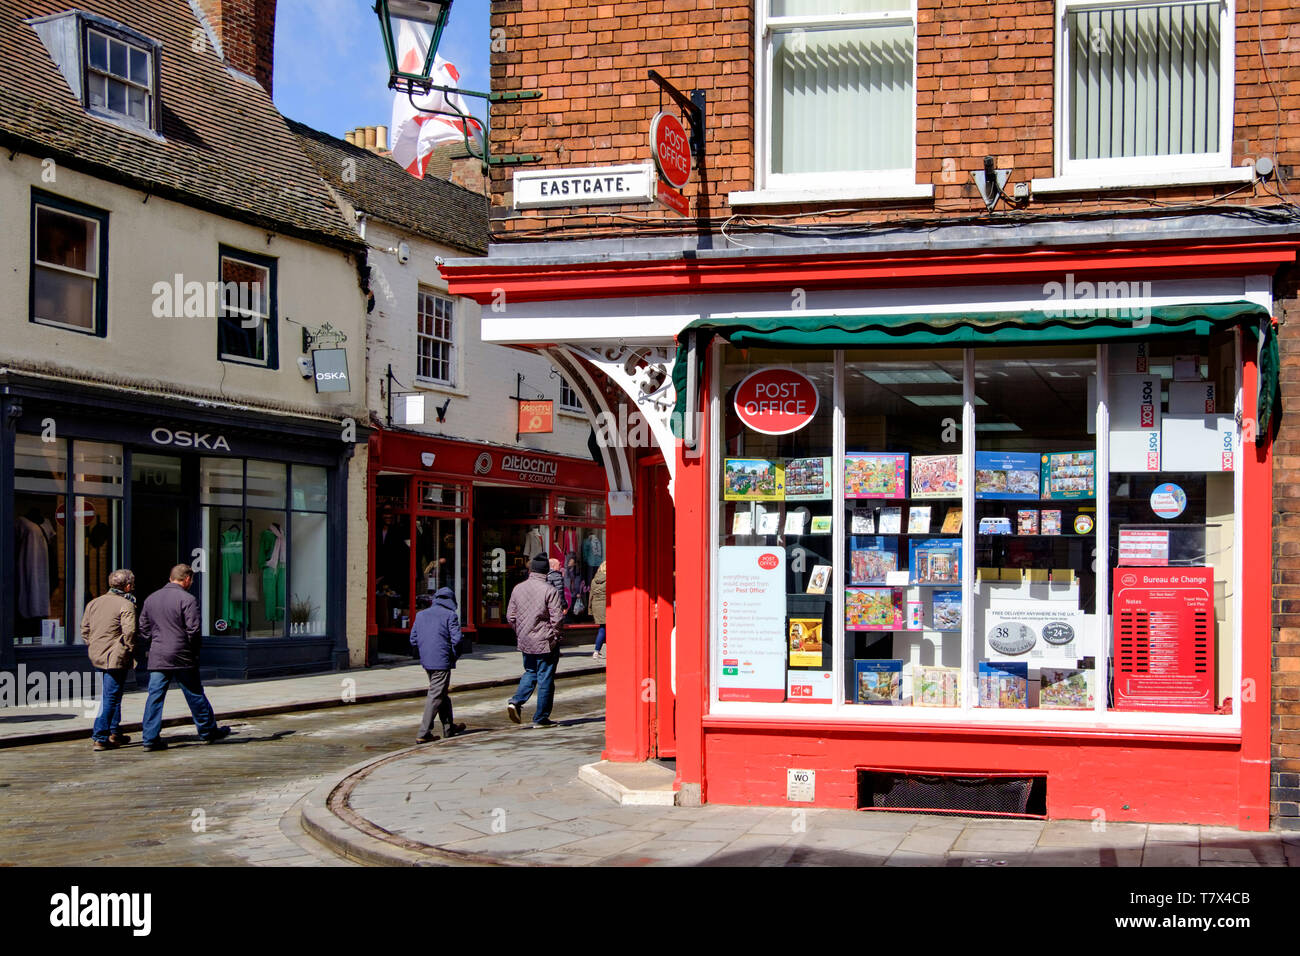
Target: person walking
[
  {"x": 535, "y": 612},
  {"x": 437, "y": 634},
  {"x": 169, "y": 622},
  {"x": 108, "y": 626},
  {"x": 555, "y": 578},
  {"x": 598, "y": 609}
]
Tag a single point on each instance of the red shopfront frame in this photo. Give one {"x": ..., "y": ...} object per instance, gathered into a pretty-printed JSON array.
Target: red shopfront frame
[
  {"x": 464, "y": 464},
  {"x": 1135, "y": 775}
]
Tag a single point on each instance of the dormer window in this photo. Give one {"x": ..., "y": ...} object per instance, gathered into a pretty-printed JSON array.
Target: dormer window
[
  {"x": 119, "y": 77},
  {"x": 111, "y": 68}
]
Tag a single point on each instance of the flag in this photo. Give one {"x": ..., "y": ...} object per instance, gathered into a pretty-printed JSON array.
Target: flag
[{"x": 415, "y": 135}]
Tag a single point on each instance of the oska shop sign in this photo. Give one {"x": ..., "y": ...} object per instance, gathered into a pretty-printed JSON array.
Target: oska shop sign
[{"x": 776, "y": 401}]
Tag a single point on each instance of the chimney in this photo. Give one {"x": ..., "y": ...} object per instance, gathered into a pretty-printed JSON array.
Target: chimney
[
  {"x": 370, "y": 138},
  {"x": 467, "y": 173},
  {"x": 350, "y": 136},
  {"x": 381, "y": 138},
  {"x": 246, "y": 31}
]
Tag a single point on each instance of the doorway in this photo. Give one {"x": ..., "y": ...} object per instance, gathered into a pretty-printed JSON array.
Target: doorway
[
  {"x": 659, "y": 583},
  {"x": 160, "y": 513}
]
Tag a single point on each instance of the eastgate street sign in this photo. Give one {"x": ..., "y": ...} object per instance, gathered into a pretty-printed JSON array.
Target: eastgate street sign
[{"x": 595, "y": 186}]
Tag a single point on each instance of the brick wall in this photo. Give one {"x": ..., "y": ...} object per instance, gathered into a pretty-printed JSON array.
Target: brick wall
[
  {"x": 246, "y": 31},
  {"x": 1285, "y": 806},
  {"x": 985, "y": 87}
]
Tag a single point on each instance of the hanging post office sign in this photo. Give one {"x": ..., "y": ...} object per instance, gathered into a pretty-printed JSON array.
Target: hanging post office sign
[
  {"x": 594, "y": 186},
  {"x": 776, "y": 401}
]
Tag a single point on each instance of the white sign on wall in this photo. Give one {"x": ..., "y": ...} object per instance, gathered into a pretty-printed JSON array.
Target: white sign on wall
[{"x": 593, "y": 186}]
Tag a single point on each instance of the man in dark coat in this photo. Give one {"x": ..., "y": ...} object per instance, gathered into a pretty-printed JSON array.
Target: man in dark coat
[
  {"x": 437, "y": 634},
  {"x": 169, "y": 625}
]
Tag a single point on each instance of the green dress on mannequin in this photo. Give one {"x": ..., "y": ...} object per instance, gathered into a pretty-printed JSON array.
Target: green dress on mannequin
[
  {"x": 271, "y": 561},
  {"x": 232, "y": 565}
]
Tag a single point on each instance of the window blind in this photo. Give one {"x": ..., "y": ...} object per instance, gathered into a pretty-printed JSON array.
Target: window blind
[{"x": 1144, "y": 81}]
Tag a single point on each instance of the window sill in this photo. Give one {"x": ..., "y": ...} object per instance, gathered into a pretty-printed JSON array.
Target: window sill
[
  {"x": 1159, "y": 178},
  {"x": 572, "y": 412},
  {"x": 432, "y": 385},
  {"x": 778, "y": 197}
]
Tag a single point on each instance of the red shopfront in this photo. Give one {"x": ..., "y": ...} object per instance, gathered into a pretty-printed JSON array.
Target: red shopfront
[{"x": 468, "y": 517}]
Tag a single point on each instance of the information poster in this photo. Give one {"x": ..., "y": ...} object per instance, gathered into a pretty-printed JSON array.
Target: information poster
[
  {"x": 810, "y": 687},
  {"x": 1143, "y": 546},
  {"x": 751, "y": 624},
  {"x": 1164, "y": 647},
  {"x": 1033, "y": 631}
]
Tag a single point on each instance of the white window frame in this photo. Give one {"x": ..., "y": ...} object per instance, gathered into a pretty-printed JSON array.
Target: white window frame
[
  {"x": 93, "y": 260},
  {"x": 149, "y": 90},
  {"x": 571, "y": 402},
  {"x": 1100, "y": 720},
  {"x": 237, "y": 311},
  {"x": 796, "y": 187},
  {"x": 452, "y": 351},
  {"x": 1142, "y": 170}
]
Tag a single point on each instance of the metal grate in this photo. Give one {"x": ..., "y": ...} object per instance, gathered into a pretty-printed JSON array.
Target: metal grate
[{"x": 997, "y": 794}]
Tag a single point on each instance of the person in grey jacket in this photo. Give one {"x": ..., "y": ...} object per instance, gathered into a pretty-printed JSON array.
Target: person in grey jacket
[
  {"x": 169, "y": 624},
  {"x": 437, "y": 634},
  {"x": 108, "y": 626},
  {"x": 535, "y": 612}
]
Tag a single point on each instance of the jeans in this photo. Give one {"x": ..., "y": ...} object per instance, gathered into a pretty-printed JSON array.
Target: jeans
[
  {"x": 110, "y": 710},
  {"x": 438, "y": 702},
  {"x": 600, "y": 638},
  {"x": 192, "y": 687},
  {"x": 539, "y": 672}
]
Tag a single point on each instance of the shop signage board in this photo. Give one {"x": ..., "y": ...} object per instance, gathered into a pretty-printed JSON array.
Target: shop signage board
[
  {"x": 776, "y": 401},
  {"x": 800, "y": 785},
  {"x": 751, "y": 624},
  {"x": 331, "y": 370},
  {"x": 536, "y": 418},
  {"x": 671, "y": 199},
  {"x": 1140, "y": 547},
  {"x": 590, "y": 186},
  {"x": 1035, "y": 631},
  {"x": 1164, "y": 639}
]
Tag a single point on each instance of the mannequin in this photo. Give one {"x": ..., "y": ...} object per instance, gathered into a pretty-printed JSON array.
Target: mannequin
[
  {"x": 271, "y": 560},
  {"x": 232, "y": 567}
]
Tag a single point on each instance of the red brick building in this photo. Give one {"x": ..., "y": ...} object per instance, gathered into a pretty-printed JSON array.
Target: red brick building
[{"x": 933, "y": 254}]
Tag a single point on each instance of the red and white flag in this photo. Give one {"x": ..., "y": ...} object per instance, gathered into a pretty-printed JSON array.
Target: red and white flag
[{"x": 416, "y": 135}]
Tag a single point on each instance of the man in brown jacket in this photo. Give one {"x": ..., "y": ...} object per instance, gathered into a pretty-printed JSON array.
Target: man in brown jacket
[
  {"x": 535, "y": 612},
  {"x": 108, "y": 626}
]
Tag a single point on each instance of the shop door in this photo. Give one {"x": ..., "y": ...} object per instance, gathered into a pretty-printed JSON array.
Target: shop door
[
  {"x": 659, "y": 585},
  {"x": 157, "y": 525}
]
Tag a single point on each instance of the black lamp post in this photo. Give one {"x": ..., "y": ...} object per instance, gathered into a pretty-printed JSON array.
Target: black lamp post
[{"x": 432, "y": 16}]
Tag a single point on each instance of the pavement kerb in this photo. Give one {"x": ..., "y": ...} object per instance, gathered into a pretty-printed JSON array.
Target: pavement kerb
[
  {"x": 326, "y": 816},
  {"x": 287, "y": 707}
]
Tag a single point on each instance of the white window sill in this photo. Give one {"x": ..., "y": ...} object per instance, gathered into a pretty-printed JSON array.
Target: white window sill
[
  {"x": 432, "y": 385},
  {"x": 772, "y": 197},
  {"x": 1156, "y": 178},
  {"x": 572, "y": 412}
]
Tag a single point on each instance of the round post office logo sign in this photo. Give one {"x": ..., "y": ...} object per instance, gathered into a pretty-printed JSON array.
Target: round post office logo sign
[
  {"x": 776, "y": 401},
  {"x": 670, "y": 144}
]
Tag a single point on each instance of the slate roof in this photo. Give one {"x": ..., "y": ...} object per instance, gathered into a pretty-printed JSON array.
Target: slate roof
[
  {"x": 430, "y": 207},
  {"x": 227, "y": 149}
]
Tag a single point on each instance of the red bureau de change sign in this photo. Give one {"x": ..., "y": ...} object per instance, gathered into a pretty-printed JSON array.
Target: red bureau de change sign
[
  {"x": 1164, "y": 639},
  {"x": 776, "y": 401}
]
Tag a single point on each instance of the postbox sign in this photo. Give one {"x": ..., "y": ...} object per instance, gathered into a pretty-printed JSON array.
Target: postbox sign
[
  {"x": 776, "y": 401},
  {"x": 1164, "y": 639}
]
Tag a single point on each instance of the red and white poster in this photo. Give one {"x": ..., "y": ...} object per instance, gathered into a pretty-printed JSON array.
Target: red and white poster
[
  {"x": 776, "y": 401},
  {"x": 1143, "y": 546},
  {"x": 751, "y": 624},
  {"x": 1164, "y": 639}
]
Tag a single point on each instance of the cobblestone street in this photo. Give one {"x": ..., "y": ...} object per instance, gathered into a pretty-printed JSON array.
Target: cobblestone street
[{"x": 62, "y": 804}]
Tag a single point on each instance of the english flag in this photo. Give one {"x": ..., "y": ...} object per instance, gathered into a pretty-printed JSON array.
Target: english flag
[{"x": 416, "y": 135}]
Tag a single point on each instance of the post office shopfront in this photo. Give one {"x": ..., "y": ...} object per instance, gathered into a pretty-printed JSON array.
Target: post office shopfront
[{"x": 254, "y": 502}]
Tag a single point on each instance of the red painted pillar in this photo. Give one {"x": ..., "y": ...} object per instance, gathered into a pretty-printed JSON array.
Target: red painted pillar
[
  {"x": 627, "y": 645},
  {"x": 691, "y": 498},
  {"x": 1254, "y": 697}
]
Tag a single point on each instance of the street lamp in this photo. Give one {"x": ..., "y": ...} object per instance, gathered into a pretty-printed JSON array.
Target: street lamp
[{"x": 432, "y": 16}]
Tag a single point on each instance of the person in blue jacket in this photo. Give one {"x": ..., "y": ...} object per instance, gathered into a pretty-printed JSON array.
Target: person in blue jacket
[{"x": 437, "y": 634}]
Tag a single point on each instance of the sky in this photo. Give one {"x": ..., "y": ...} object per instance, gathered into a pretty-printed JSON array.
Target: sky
[{"x": 331, "y": 72}]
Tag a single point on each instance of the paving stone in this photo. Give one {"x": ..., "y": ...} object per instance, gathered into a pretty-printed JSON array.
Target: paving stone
[
  {"x": 1171, "y": 854},
  {"x": 1169, "y": 833},
  {"x": 1080, "y": 833},
  {"x": 608, "y": 844},
  {"x": 513, "y": 842}
]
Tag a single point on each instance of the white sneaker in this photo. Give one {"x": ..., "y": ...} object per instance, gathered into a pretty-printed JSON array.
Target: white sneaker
[{"x": 596, "y": 655}]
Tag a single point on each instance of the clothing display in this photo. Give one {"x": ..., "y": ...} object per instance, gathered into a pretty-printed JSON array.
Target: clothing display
[
  {"x": 33, "y": 569},
  {"x": 232, "y": 569},
  {"x": 271, "y": 561},
  {"x": 533, "y": 544},
  {"x": 592, "y": 552}
]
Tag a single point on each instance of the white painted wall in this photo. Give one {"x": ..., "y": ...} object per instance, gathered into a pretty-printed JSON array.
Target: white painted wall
[{"x": 481, "y": 408}]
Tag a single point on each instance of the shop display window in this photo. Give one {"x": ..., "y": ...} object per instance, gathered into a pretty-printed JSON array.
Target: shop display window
[
  {"x": 97, "y": 482},
  {"x": 308, "y": 567},
  {"x": 40, "y": 570},
  {"x": 1036, "y": 535}
]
